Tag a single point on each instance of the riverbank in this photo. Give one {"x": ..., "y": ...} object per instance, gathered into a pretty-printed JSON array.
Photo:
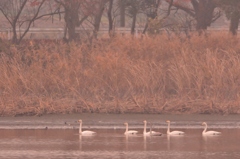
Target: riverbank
[
  {"x": 158, "y": 74},
  {"x": 115, "y": 121}
]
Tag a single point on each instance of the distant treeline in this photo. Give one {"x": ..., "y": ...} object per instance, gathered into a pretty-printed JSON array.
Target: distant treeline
[{"x": 152, "y": 15}]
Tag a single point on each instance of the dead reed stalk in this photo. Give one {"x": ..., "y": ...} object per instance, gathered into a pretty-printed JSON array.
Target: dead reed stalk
[{"x": 124, "y": 75}]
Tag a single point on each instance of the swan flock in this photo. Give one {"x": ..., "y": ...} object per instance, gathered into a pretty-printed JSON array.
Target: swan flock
[{"x": 150, "y": 133}]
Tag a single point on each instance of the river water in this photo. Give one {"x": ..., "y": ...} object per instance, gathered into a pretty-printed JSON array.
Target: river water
[{"x": 56, "y": 137}]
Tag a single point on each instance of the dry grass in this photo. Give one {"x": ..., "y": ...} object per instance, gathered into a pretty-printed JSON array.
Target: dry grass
[{"x": 124, "y": 75}]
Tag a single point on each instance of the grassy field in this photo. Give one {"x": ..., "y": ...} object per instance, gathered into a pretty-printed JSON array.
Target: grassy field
[{"x": 125, "y": 75}]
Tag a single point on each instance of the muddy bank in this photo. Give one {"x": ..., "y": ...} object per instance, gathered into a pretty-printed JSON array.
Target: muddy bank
[
  {"x": 115, "y": 121},
  {"x": 133, "y": 105}
]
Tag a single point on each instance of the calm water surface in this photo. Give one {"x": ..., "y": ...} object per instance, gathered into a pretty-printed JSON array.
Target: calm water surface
[
  {"x": 112, "y": 144},
  {"x": 26, "y": 137}
]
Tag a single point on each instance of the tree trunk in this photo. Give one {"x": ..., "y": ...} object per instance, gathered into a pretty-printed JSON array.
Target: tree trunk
[
  {"x": 98, "y": 17},
  {"x": 152, "y": 14},
  {"x": 15, "y": 20},
  {"x": 110, "y": 19},
  {"x": 204, "y": 13},
  {"x": 69, "y": 24},
  {"x": 145, "y": 28},
  {"x": 133, "y": 23},
  {"x": 122, "y": 13},
  {"x": 71, "y": 18},
  {"x": 234, "y": 22},
  {"x": 14, "y": 37}
]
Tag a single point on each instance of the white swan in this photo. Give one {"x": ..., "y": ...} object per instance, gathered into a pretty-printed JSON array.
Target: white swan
[
  {"x": 87, "y": 132},
  {"x": 129, "y": 132},
  {"x": 173, "y": 132},
  {"x": 149, "y": 133},
  {"x": 205, "y": 132}
]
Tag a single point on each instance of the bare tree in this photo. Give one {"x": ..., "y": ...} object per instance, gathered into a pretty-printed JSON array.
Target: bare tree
[
  {"x": 133, "y": 7},
  {"x": 72, "y": 10},
  {"x": 234, "y": 22},
  {"x": 99, "y": 7},
  {"x": 201, "y": 10},
  {"x": 232, "y": 11},
  {"x": 110, "y": 18},
  {"x": 151, "y": 10},
  {"x": 204, "y": 13},
  {"x": 79, "y": 11},
  {"x": 20, "y": 14},
  {"x": 122, "y": 12},
  {"x": 147, "y": 7}
]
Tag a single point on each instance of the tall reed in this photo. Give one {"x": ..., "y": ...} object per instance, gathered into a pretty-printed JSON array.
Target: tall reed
[{"x": 122, "y": 75}]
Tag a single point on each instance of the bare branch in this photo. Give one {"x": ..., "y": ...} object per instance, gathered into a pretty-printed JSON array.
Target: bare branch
[
  {"x": 20, "y": 11},
  {"x": 169, "y": 8},
  {"x": 32, "y": 20},
  {"x": 5, "y": 15}
]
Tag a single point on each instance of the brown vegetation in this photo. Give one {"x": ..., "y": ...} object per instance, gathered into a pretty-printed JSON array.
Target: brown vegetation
[{"x": 124, "y": 75}]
